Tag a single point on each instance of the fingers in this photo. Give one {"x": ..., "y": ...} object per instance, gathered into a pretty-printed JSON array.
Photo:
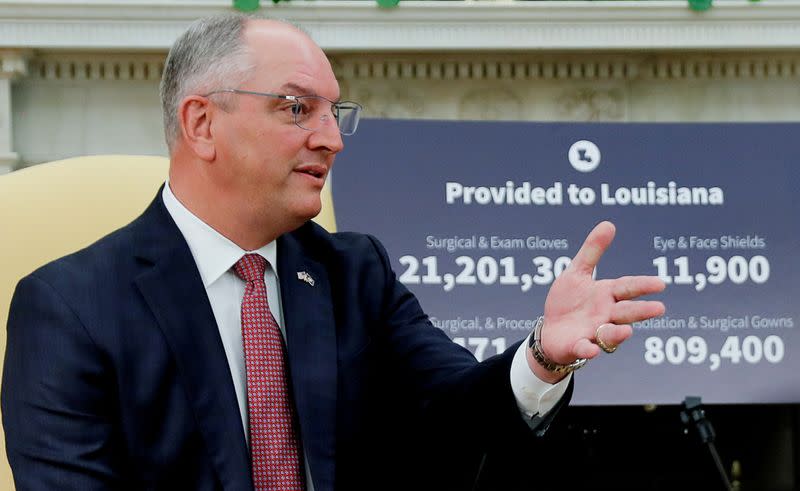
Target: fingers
[
  {"x": 593, "y": 247},
  {"x": 613, "y": 300},
  {"x": 627, "y": 311},
  {"x": 614, "y": 334},
  {"x": 583, "y": 348},
  {"x": 630, "y": 287}
]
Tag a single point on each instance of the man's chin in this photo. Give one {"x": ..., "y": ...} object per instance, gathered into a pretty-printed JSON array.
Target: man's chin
[{"x": 306, "y": 213}]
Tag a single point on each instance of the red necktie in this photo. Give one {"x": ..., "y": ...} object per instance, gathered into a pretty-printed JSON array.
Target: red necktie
[{"x": 274, "y": 445}]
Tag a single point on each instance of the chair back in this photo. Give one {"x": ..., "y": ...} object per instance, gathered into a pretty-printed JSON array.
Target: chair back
[{"x": 53, "y": 209}]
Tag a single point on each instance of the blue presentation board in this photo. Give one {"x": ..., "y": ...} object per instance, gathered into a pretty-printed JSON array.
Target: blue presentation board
[{"x": 480, "y": 217}]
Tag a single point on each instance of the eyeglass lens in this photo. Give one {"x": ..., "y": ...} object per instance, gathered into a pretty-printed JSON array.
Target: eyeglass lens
[{"x": 311, "y": 112}]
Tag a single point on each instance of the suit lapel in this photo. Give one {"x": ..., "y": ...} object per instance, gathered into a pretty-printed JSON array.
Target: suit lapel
[
  {"x": 174, "y": 291},
  {"x": 311, "y": 345}
]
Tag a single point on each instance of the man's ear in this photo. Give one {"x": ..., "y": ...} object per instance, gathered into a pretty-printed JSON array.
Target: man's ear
[{"x": 194, "y": 116}]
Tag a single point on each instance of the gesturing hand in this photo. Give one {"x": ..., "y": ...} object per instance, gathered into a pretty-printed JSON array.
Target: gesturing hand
[{"x": 577, "y": 305}]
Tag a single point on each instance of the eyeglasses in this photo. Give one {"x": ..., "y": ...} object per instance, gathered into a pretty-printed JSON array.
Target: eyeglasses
[{"x": 311, "y": 112}]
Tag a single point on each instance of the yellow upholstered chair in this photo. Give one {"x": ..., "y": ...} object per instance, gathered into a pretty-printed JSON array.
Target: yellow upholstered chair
[{"x": 53, "y": 209}]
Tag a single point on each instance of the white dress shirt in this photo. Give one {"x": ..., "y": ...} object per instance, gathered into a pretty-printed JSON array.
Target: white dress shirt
[{"x": 215, "y": 256}]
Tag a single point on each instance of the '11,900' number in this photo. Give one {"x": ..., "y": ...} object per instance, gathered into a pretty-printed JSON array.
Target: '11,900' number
[{"x": 736, "y": 269}]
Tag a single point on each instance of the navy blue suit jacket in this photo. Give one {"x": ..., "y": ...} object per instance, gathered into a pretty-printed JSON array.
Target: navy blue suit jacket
[{"x": 115, "y": 375}]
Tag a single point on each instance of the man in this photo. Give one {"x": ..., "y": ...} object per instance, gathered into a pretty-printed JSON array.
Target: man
[{"x": 224, "y": 341}]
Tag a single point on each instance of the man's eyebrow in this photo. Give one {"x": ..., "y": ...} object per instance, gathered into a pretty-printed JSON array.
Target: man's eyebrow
[{"x": 292, "y": 88}]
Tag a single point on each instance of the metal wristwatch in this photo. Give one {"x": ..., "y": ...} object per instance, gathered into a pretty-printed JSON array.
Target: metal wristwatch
[{"x": 535, "y": 344}]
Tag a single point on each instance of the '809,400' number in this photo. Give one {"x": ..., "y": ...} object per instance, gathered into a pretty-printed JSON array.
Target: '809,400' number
[{"x": 694, "y": 350}]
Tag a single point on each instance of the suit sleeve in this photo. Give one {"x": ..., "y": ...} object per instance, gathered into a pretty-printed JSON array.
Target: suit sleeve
[
  {"x": 57, "y": 396},
  {"x": 459, "y": 394},
  {"x": 466, "y": 430}
]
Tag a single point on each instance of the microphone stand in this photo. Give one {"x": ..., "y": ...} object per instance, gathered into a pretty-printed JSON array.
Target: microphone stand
[{"x": 693, "y": 412}]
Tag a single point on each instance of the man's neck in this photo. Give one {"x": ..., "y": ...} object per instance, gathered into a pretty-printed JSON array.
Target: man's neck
[{"x": 249, "y": 233}]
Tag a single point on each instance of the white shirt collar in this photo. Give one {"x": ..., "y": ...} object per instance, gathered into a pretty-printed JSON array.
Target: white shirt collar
[{"x": 213, "y": 252}]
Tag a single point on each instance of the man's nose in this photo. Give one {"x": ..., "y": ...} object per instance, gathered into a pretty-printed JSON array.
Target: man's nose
[{"x": 327, "y": 135}]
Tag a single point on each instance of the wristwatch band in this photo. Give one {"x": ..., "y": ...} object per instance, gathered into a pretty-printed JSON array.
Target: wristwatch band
[{"x": 535, "y": 344}]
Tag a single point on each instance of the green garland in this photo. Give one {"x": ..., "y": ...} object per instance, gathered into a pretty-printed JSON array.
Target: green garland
[{"x": 251, "y": 5}]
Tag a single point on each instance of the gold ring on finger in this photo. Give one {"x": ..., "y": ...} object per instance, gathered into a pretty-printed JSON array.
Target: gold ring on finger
[{"x": 599, "y": 341}]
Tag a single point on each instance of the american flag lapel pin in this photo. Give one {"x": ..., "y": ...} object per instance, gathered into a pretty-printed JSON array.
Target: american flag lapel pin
[{"x": 303, "y": 276}]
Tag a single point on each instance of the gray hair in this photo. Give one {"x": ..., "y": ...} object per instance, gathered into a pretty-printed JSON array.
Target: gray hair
[{"x": 211, "y": 54}]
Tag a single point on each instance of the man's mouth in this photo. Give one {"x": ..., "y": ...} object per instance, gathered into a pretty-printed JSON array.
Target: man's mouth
[{"x": 314, "y": 170}]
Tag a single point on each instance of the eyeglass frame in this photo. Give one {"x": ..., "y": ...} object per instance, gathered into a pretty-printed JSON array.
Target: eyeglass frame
[{"x": 298, "y": 98}]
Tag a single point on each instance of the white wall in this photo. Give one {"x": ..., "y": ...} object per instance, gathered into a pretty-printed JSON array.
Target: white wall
[{"x": 61, "y": 108}]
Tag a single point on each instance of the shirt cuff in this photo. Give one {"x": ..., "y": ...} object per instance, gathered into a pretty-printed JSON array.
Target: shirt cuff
[{"x": 534, "y": 396}]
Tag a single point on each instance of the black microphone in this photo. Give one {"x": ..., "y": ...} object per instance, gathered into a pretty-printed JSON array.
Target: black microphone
[{"x": 693, "y": 413}]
